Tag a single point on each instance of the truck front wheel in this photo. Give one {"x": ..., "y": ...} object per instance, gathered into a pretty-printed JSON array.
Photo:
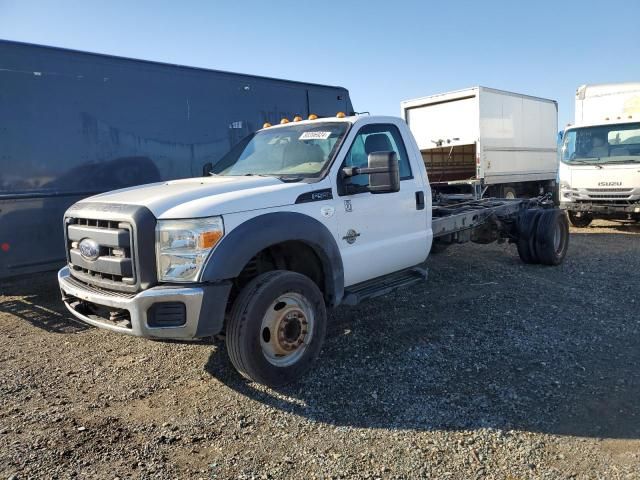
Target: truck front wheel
[
  {"x": 581, "y": 221},
  {"x": 276, "y": 328}
]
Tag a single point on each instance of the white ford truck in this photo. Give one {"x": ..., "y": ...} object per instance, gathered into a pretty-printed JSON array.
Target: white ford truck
[
  {"x": 297, "y": 218},
  {"x": 600, "y": 155}
]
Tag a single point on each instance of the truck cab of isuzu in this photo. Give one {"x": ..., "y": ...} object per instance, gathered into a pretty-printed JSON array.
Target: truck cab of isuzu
[{"x": 600, "y": 155}]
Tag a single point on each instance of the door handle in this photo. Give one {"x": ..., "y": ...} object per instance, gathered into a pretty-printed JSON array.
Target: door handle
[{"x": 420, "y": 200}]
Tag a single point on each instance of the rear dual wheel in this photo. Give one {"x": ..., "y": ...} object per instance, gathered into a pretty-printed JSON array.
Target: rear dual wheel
[
  {"x": 276, "y": 328},
  {"x": 543, "y": 236},
  {"x": 527, "y": 227},
  {"x": 552, "y": 237}
]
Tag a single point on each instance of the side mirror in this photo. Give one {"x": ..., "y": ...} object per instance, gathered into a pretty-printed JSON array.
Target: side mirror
[
  {"x": 206, "y": 169},
  {"x": 384, "y": 172}
]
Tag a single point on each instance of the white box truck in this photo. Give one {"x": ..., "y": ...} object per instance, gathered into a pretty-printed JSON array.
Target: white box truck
[
  {"x": 488, "y": 141},
  {"x": 600, "y": 155}
]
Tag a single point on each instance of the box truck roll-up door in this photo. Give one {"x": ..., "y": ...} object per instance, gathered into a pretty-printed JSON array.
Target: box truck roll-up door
[
  {"x": 446, "y": 133},
  {"x": 444, "y": 121}
]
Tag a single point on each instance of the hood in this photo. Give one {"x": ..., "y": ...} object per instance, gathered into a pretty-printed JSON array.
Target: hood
[
  {"x": 609, "y": 176},
  {"x": 207, "y": 196}
]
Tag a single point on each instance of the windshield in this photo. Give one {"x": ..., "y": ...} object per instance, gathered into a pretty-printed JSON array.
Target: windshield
[
  {"x": 291, "y": 151},
  {"x": 618, "y": 143}
]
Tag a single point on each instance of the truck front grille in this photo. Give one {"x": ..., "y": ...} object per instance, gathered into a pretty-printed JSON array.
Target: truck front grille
[
  {"x": 100, "y": 252},
  {"x": 610, "y": 190},
  {"x": 610, "y": 195}
]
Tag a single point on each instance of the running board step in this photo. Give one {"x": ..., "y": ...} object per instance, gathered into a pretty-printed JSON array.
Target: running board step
[{"x": 383, "y": 285}]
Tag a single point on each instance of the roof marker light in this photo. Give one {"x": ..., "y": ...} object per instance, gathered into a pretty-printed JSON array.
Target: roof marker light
[
  {"x": 341, "y": 114},
  {"x": 297, "y": 118},
  {"x": 313, "y": 116},
  {"x": 266, "y": 125},
  {"x": 284, "y": 120}
]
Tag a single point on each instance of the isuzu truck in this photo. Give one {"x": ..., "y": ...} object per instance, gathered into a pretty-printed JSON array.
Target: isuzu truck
[
  {"x": 298, "y": 218},
  {"x": 600, "y": 155}
]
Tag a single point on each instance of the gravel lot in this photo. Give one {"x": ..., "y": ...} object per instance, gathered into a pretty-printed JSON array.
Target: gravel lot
[{"x": 492, "y": 369}]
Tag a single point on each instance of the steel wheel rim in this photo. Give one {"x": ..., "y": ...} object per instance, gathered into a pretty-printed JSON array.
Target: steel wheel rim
[{"x": 287, "y": 329}]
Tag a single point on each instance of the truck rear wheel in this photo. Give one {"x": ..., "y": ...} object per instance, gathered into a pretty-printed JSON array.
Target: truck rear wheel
[
  {"x": 527, "y": 227},
  {"x": 582, "y": 221},
  {"x": 276, "y": 328},
  {"x": 552, "y": 237},
  {"x": 509, "y": 193}
]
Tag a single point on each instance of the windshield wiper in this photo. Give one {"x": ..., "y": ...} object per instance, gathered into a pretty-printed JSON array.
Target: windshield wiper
[
  {"x": 588, "y": 162},
  {"x": 290, "y": 179},
  {"x": 628, "y": 160}
]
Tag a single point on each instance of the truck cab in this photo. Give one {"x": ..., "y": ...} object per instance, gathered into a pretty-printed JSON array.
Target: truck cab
[
  {"x": 600, "y": 155},
  {"x": 170, "y": 259}
]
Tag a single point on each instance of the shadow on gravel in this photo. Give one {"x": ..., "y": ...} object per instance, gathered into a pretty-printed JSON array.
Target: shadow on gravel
[
  {"x": 38, "y": 302},
  {"x": 486, "y": 343},
  {"x": 610, "y": 227}
]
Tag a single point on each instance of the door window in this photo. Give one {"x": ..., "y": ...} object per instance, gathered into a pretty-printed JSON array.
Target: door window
[{"x": 376, "y": 138}]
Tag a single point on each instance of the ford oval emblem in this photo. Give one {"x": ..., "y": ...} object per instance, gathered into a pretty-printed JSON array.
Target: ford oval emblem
[{"x": 89, "y": 249}]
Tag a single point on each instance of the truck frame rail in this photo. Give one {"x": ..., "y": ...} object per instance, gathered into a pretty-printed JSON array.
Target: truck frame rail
[{"x": 457, "y": 219}]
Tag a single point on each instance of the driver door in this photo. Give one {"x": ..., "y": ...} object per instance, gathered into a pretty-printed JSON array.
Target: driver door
[{"x": 383, "y": 232}]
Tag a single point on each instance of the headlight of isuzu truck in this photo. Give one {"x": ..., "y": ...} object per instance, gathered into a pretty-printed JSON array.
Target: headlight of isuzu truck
[{"x": 182, "y": 247}]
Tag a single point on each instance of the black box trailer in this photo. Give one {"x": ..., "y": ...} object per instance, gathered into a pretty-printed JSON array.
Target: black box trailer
[{"x": 73, "y": 124}]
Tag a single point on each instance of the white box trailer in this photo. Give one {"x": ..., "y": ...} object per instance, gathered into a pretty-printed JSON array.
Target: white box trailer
[
  {"x": 497, "y": 143},
  {"x": 606, "y": 103}
]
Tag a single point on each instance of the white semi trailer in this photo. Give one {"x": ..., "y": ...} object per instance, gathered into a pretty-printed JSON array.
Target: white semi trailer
[
  {"x": 486, "y": 141},
  {"x": 600, "y": 155}
]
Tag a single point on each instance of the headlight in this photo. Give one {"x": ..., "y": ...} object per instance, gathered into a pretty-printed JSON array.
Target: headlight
[
  {"x": 182, "y": 246},
  {"x": 564, "y": 185}
]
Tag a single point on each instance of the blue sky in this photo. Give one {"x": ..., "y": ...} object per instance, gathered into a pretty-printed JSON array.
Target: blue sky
[{"x": 382, "y": 51}]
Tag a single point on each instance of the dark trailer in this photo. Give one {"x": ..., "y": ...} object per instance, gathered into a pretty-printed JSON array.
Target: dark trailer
[{"x": 73, "y": 124}]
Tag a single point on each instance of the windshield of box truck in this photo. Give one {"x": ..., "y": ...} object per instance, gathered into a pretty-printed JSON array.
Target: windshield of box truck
[
  {"x": 294, "y": 151},
  {"x": 619, "y": 143}
]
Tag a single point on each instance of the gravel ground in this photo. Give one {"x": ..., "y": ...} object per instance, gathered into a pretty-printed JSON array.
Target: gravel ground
[{"x": 492, "y": 369}]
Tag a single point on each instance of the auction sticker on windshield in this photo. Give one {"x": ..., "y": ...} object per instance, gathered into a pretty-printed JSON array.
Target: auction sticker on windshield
[{"x": 314, "y": 136}]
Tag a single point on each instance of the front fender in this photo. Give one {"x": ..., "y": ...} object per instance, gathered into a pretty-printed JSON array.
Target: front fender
[{"x": 245, "y": 241}]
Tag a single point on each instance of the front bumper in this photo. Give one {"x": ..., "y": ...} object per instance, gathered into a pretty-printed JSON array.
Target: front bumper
[
  {"x": 602, "y": 208},
  {"x": 202, "y": 314}
]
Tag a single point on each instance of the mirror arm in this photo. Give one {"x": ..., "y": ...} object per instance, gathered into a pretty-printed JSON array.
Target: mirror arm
[{"x": 353, "y": 171}]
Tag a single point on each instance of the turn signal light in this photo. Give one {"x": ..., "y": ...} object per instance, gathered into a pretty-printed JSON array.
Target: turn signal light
[
  {"x": 313, "y": 116},
  {"x": 209, "y": 239},
  {"x": 283, "y": 121},
  {"x": 297, "y": 118},
  {"x": 341, "y": 114},
  {"x": 266, "y": 125}
]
